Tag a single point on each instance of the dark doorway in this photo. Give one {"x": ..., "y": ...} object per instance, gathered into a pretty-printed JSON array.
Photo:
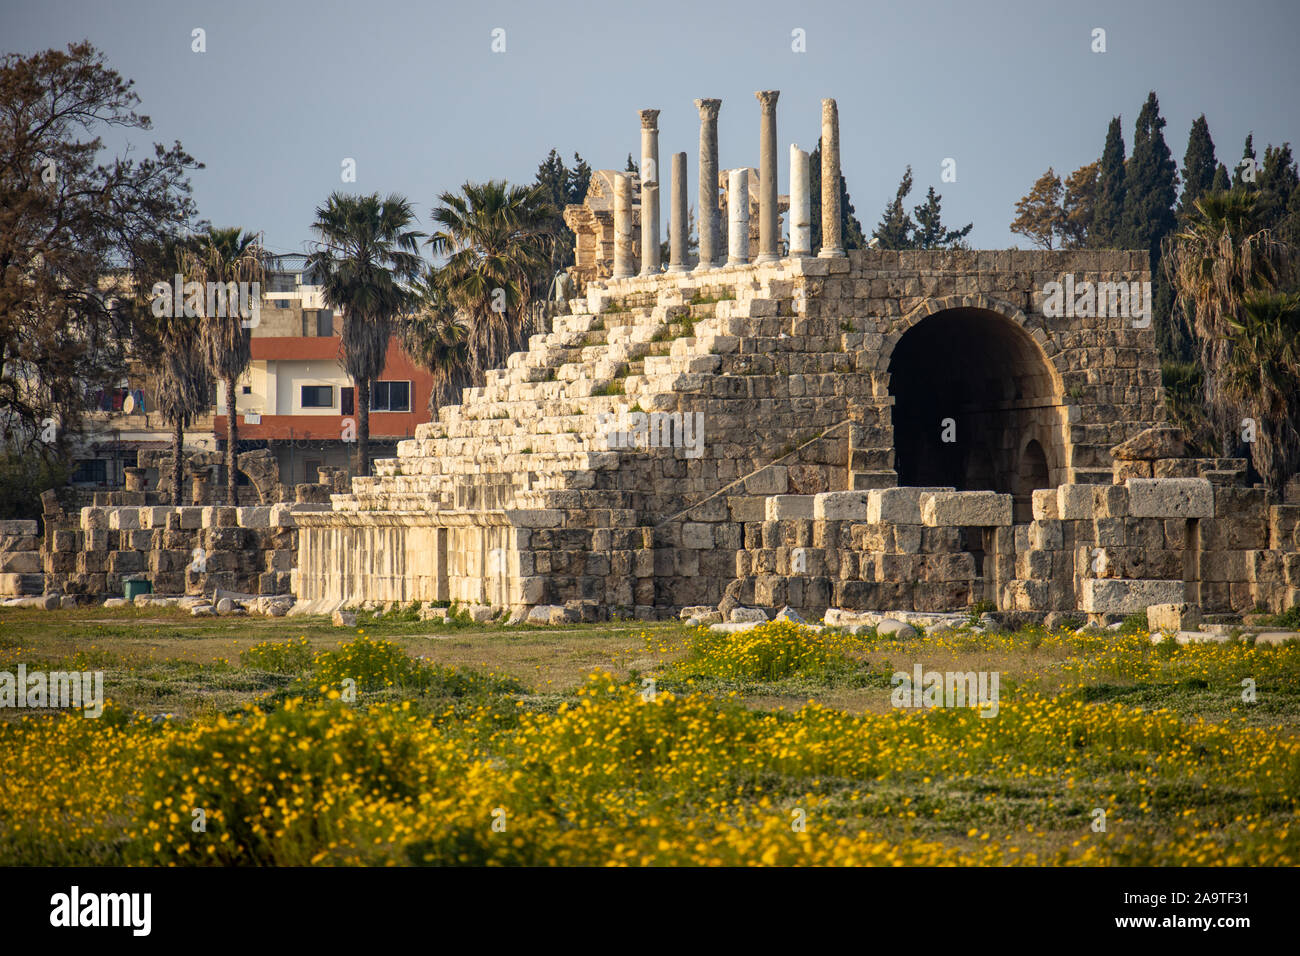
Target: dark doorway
[{"x": 975, "y": 407}]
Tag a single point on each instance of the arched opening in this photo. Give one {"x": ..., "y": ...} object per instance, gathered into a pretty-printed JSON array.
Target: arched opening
[
  {"x": 975, "y": 407},
  {"x": 1031, "y": 475}
]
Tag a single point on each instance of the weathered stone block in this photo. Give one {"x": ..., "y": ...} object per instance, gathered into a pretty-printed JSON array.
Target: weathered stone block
[
  {"x": 1170, "y": 498},
  {"x": 898, "y": 505},
  {"x": 778, "y": 507},
  {"x": 1174, "y": 617},
  {"x": 840, "y": 506},
  {"x": 966, "y": 509},
  {"x": 1125, "y": 596}
]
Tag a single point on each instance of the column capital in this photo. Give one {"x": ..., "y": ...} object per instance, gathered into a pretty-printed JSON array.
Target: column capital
[
  {"x": 708, "y": 108},
  {"x": 649, "y": 119},
  {"x": 767, "y": 98}
]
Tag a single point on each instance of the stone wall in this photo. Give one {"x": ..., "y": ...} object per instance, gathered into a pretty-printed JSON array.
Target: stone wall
[{"x": 188, "y": 550}]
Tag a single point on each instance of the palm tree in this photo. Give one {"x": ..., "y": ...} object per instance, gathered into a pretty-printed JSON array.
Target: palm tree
[
  {"x": 364, "y": 254},
  {"x": 1263, "y": 378},
  {"x": 1219, "y": 257},
  {"x": 181, "y": 376},
  {"x": 496, "y": 239},
  {"x": 228, "y": 256},
  {"x": 436, "y": 338}
]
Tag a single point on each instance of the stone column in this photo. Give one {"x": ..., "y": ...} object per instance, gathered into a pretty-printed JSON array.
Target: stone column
[
  {"x": 832, "y": 240},
  {"x": 800, "y": 203},
  {"x": 679, "y": 228},
  {"x": 710, "y": 254},
  {"x": 649, "y": 192},
  {"x": 768, "y": 240},
  {"x": 738, "y": 217},
  {"x": 624, "y": 253}
]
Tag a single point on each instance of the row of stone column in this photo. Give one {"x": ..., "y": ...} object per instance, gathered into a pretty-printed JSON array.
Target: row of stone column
[{"x": 710, "y": 255}]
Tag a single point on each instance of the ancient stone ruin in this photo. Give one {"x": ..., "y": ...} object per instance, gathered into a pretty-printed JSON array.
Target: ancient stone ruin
[{"x": 776, "y": 425}]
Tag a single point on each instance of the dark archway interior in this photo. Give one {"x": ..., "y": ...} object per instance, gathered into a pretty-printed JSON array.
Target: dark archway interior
[{"x": 975, "y": 407}]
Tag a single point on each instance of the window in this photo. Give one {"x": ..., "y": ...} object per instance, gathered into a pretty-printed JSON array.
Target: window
[
  {"x": 391, "y": 397},
  {"x": 318, "y": 396},
  {"x": 348, "y": 399},
  {"x": 91, "y": 471},
  {"x": 248, "y": 390},
  {"x": 325, "y": 322}
]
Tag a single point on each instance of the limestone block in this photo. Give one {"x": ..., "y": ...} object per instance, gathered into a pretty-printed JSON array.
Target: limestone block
[
  {"x": 20, "y": 562},
  {"x": 1075, "y": 502},
  {"x": 17, "y": 527},
  {"x": 986, "y": 509},
  {"x": 840, "y": 506},
  {"x": 697, "y": 536},
  {"x": 1174, "y": 617},
  {"x": 789, "y": 506},
  {"x": 1170, "y": 498},
  {"x": 1046, "y": 535},
  {"x": 898, "y": 505},
  {"x": 1046, "y": 505},
  {"x": 1126, "y": 596},
  {"x": 258, "y": 516},
  {"x": 746, "y": 615},
  {"x": 772, "y": 480},
  {"x": 124, "y": 519}
]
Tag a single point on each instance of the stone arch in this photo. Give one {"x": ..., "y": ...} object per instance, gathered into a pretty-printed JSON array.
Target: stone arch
[{"x": 972, "y": 384}]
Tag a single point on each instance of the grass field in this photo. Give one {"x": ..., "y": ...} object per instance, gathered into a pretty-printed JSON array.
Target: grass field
[{"x": 292, "y": 741}]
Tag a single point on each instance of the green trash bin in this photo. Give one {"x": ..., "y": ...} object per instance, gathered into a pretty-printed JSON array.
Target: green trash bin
[{"x": 133, "y": 586}]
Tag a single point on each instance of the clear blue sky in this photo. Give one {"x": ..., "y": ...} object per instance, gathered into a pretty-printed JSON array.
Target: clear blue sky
[{"x": 413, "y": 92}]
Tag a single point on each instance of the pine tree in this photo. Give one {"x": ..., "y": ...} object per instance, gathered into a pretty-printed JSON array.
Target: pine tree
[
  {"x": 1107, "y": 220},
  {"x": 930, "y": 230},
  {"x": 1038, "y": 215},
  {"x": 896, "y": 229},
  {"x": 578, "y": 181},
  {"x": 631, "y": 165},
  {"x": 1199, "y": 166},
  {"x": 1276, "y": 182}
]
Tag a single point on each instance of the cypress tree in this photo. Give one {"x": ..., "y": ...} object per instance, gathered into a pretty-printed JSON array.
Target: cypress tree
[
  {"x": 1199, "y": 166},
  {"x": 1108, "y": 216},
  {"x": 1151, "y": 186},
  {"x": 1221, "y": 181},
  {"x": 850, "y": 227},
  {"x": 1239, "y": 177}
]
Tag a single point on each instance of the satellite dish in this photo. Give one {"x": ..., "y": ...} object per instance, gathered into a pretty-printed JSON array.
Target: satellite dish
[{"x": 128, "y": 404}]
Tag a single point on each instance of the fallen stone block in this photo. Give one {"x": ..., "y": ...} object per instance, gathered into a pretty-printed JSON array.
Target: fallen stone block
[
  {"x": 695, "y": 610},
  {"x": 788, "y": 613},
  {"x": 1276, "y": 637},
  {"x": 342, "y": 618},
  {"x": 1162, "y": 441},
  {"x": 890, "y": 627},
  {"x": 735, "y": 627},
  {"x": 1174, "y": 617},
  {"x": 745, "y": 615}
]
